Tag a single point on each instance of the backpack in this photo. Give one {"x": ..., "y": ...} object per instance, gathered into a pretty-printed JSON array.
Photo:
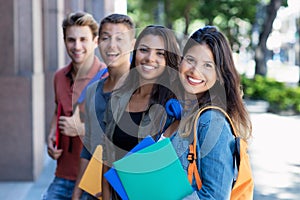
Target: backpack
[{"x": 244, "y": 185}]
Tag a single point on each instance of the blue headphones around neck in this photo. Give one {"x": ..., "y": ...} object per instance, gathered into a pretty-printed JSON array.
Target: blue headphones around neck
[{"x": 174, "y": 108}]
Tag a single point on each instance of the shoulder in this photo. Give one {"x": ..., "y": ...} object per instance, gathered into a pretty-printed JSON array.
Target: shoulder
[
  {"x": 122, "y": 93},
  {"x": 98, "y": 85},
  {"x": 214, "y": 121},
  {"x": 62, "y": 72},
  {"x": 100, "y": 82},
  {"x": 61, "y": 79},
  {"x": 211, "y": 115},
  {"x": 95, "y": 87},
  {"x": 99, "y": 67},
  {"x": 214, "y": 129}
]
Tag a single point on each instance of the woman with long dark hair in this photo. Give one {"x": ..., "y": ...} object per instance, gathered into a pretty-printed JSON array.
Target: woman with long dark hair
[
  {"x": 136, "y": 108},
  {"x": 209, "y": 78}
]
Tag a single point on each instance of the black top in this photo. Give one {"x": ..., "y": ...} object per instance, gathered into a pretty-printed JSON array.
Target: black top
[{"x": 125, "y": 136}]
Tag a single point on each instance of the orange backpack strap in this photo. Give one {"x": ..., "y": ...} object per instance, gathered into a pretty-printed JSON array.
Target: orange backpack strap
[
  {"x": 192, "y": 169},
  {"x": 192, "y": 155}
]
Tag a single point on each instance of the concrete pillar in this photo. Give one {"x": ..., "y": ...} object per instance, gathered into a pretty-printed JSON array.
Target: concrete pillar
[
  {"x": 32, "y": 49},
  {"x": 54, "y": 51},
  {"x": 22, "y": 90}
]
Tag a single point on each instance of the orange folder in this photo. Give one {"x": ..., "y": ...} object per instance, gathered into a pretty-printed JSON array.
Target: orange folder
[{"x": 92, "y": 177}]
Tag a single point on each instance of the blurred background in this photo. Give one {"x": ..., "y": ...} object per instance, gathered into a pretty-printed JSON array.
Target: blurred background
[{"x": 264, "y": 36}]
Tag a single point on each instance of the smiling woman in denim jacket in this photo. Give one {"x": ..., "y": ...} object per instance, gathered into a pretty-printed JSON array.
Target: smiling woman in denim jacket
[{"x": 208, "y": 76}]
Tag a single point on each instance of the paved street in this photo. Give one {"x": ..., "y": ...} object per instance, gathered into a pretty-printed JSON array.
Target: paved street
[
  {"x": 274, "y": 152},
  {"x": 275, "y": 156}
]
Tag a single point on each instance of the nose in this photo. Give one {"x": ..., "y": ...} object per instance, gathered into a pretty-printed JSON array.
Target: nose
[
  {"x": 195, "y": 69},
  {"x": 185, "y": 65},
  {"x": 190, "y": 68},
  {"x": 198, "y": 69},
  {"x": 112, "y": 42},
  {"x": 151, "y": 56},
  {"x": 78, "y": 44}
]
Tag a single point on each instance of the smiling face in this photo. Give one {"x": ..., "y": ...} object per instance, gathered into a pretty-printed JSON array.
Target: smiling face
[
  {"x": 115, "y": 44},
  {"x": 198, "y": 70},
  {"x": 80, "y": 44},
  {"x": 150, "y": 57}
]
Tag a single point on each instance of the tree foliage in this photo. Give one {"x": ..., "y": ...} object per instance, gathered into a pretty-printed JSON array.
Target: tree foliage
[
  {"x": 225, "y": 14},
  {"x": 235, "y": 18},
  {"x": 265, "y": 28}
]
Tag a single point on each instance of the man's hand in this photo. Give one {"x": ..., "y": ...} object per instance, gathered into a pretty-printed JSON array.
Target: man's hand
[
  {"x": 53, "y": 152},
  {"x": 71, "y": 126},
  {"x": 99, "y": 194}
]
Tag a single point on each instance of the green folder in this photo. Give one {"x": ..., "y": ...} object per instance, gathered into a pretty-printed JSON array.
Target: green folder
[{"x": 154, "y": 172}]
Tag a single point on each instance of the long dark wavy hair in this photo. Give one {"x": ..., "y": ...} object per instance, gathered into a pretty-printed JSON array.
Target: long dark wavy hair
[
  {"x": 226, "y": 92},
  {"x": 163, "y": 89}
]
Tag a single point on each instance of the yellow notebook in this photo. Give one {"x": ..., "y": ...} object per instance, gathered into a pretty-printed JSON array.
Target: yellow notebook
[{"x": 92, "y": 177}]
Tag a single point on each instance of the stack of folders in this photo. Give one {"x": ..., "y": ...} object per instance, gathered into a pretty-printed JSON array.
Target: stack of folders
[{"x": 150, "y": 171}]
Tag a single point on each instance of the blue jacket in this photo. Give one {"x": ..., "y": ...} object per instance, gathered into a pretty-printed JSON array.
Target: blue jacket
[{"x": 215, "y": 148}]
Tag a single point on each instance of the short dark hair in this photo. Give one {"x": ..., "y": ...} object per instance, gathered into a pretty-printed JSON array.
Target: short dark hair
[{"x": 118, "y": 19}]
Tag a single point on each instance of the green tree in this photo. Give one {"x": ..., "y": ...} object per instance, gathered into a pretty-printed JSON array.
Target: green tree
[
  {"x": 233, "y": 17},
  {"x": 265, "y": 23},
  {"x": 164, "y": 12},
  {"x": 224, "y": 14}
]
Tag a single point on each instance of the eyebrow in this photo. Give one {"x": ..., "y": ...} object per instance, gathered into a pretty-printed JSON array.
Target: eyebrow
[
  {"x": 205, "y": 61},
  {"x": 72, "y": 37},
  {"x": 210, "y": 62},
  {"x": 187, "y": 55},
  {"x": 144, "y": 45},
  {"x": 118, "y": 33}
]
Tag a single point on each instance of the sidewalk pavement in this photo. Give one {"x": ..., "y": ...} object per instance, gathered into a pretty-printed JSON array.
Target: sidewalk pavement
[
  {"x": 274, "y": 153},
  {"x": 29, "y": 190}
]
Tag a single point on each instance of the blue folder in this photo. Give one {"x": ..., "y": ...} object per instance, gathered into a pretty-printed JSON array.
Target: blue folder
[{"x": 112, "y": 176}]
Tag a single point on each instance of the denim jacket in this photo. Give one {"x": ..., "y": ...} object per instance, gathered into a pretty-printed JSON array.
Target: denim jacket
[{"x": 215, "y": 148}]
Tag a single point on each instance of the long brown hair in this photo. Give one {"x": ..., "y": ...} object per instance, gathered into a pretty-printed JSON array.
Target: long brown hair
[
  {"x": 163, "y": 90},
  {"x": 226, "y": 91}
]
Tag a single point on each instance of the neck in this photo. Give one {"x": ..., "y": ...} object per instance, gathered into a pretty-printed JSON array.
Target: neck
[
  {"x": 144, "y": 90},
  {"x": 140, "y": 99},
  {"x": 190, "y": 101},
  {"x": 115, "y": 74},
  {"x": 116, "y": 77},
  {"x": 83, "y": 68}
]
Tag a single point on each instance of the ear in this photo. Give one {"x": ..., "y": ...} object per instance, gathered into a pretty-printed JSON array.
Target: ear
[
  {"x": 96, "y": 40},
  {"x": 132, "y": 44}
]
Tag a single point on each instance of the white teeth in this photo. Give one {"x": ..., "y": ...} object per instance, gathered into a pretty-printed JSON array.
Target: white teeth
[
  {"x": 112, "y": 54},
  {"x": 195, "y": 80},
  {"x": 148, "y": 67}
]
